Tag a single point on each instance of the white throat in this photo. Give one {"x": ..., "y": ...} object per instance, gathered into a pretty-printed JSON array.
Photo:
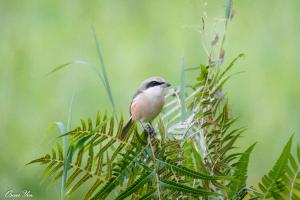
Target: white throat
[{"x": 156, "y": 91}]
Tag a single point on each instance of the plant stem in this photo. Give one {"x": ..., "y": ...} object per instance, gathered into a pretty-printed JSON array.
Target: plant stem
[{"x": 155, "y": 167}]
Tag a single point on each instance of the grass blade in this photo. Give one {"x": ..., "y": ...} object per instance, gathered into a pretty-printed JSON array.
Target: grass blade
[
  {"x": 182, "y": 91},
  {"x": 65, "y": 141},
  {"x": 104, "y": 74},
  {"x": 62, "y": 129},
  {"x": 227, "y": 9}
]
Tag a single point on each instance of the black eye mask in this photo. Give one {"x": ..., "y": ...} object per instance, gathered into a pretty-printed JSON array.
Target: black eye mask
[{"x": 153, "y": 84}]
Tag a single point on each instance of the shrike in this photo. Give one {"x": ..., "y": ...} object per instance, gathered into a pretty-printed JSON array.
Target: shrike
[{"x": 147, "y": 102}]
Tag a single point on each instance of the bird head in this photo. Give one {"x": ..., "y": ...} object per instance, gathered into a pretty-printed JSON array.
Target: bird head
[{"x": 154, "y": 81}]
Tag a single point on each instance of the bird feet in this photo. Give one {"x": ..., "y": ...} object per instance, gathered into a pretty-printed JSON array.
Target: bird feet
[{"x": 150, "y": 130}]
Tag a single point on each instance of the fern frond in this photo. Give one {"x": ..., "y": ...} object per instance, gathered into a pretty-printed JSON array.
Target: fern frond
[
  {"x": 292, "y": 177},
  {"x": 171, "y": 185},
  {"x": 190, "y": 173},
  {"x": 126, "y": 165},
  {"x": 220, "y": 75},
  {"x": 240, "y": 172},
  {"x": 89, "y": 144},
  {"x": 140, "y": 182},
  {"x": 152, "y": 194},
  {"x": 272, "y": 184}
]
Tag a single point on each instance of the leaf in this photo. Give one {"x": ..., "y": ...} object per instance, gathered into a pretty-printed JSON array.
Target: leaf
[
  {"x": 106, "y": 189},
  {"x": 292, "y": 178},
  {"x": 79, "y": 183},
  {"x": 67, "y": 157},
  {"x": 198, "y": 160},
  {"x": 138, "y": 184},
  {"x": 191, "y": 173},
  {"x": 240, "y": 172},
  {"x": 219, "y": 75},
  {"x": 271, "y": 184},
  {"x": 108, "y": 167},
  {"x": 228, "y": 9},
  {"x": 171, "y": 185},
  {"x": 103, "y": 76},
  {"x": 182, "y": 91},
  {"x": 127, "y": 163},
  {"x": 152, "y": 194},
  {"x": 192, "y": 68},
  {"x": 92, "y": 189},
  {"x": 162, "y": 130},
  {"x": 43, "y": 160},
  {"x": 60, "y": 67}
]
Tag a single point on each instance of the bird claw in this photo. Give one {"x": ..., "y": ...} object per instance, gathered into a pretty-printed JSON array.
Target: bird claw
[{"x": 150, "y": 130}]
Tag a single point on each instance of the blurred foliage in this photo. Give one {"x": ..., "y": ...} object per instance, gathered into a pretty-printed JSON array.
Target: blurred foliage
[{"x": 138, "y": 40}]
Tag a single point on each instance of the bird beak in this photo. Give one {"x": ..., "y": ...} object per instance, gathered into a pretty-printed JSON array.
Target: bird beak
[{"x": 165, "y": 85}]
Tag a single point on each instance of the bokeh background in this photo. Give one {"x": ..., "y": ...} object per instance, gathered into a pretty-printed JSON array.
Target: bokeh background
[{"x": 138, "y": 39}]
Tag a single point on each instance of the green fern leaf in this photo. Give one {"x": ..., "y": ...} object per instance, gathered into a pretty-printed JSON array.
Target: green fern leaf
[
  {"x": 106, "y": 189},
  {"x": 139, "y": 183},
  {"x": 171, "y": 185},
  {"x": 271, "y": 184},
  {"x": 79, "y": 183},
  {"x": 191, "y": 173},
  {"x": 43, "y": 160},
  {"x": 219, "y": 75},
  {"x": 240, "y": 173},
  {"x": 126, "y": 164},
  {"x": 152, "y": 194},
  {"x": 92, "y": 189},
  {"x": 292, "y": 177}
]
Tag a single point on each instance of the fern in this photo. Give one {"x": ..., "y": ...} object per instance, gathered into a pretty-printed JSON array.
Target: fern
[
  {"x": 192, "y": 156},
  {"x": 272, "y": 184},
  {"x": 201, "y": 162},
  {"x": 292, "y": 177},
  {"x": 86, "y": 140},
  {"x": 143, "y": 168},
  {"x": 171, "y": 185},
  {"x": 240, "y": 172},
  {"x": 153, "y": 159}
]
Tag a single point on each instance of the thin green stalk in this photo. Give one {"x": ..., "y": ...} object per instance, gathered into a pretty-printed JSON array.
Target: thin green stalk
[
  {"x": 60, "y": 125},
  {"x": 228, "y": 9},
  {"x": 104, "y": 74},
  {"x": 182, "y": 90},
  {"x": 65, "y": 141},
  {"x": 227, "y": 16},
  {"x": 155, "y": 169}
]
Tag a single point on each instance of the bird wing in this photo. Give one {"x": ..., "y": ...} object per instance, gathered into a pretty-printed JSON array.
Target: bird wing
[{"x": 137, "y": 93}]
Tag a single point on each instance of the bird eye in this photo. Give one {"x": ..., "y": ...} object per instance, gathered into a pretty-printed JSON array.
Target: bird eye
[
  {"x": 153, "y": 84},
  {"x": 156, "y": 83}
]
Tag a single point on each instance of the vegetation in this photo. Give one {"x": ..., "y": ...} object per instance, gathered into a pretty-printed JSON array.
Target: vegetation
[{"x": 192, "y": 156}]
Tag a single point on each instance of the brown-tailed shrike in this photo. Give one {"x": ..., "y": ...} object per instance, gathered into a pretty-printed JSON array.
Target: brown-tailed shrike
[{"x": 147, "y": 103}]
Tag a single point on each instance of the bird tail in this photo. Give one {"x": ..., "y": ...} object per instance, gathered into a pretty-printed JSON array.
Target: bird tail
[{"x": 126, "y": 128}]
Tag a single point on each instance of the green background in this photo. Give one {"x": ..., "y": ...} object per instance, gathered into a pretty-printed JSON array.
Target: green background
[{"x": 139, "y": 39}]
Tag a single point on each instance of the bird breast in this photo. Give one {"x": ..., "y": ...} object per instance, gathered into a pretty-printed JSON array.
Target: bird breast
[{"x": 148, "y": 104}]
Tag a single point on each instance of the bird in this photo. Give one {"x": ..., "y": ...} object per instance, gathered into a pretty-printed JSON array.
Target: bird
[{"x": 146, "y": 103}]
